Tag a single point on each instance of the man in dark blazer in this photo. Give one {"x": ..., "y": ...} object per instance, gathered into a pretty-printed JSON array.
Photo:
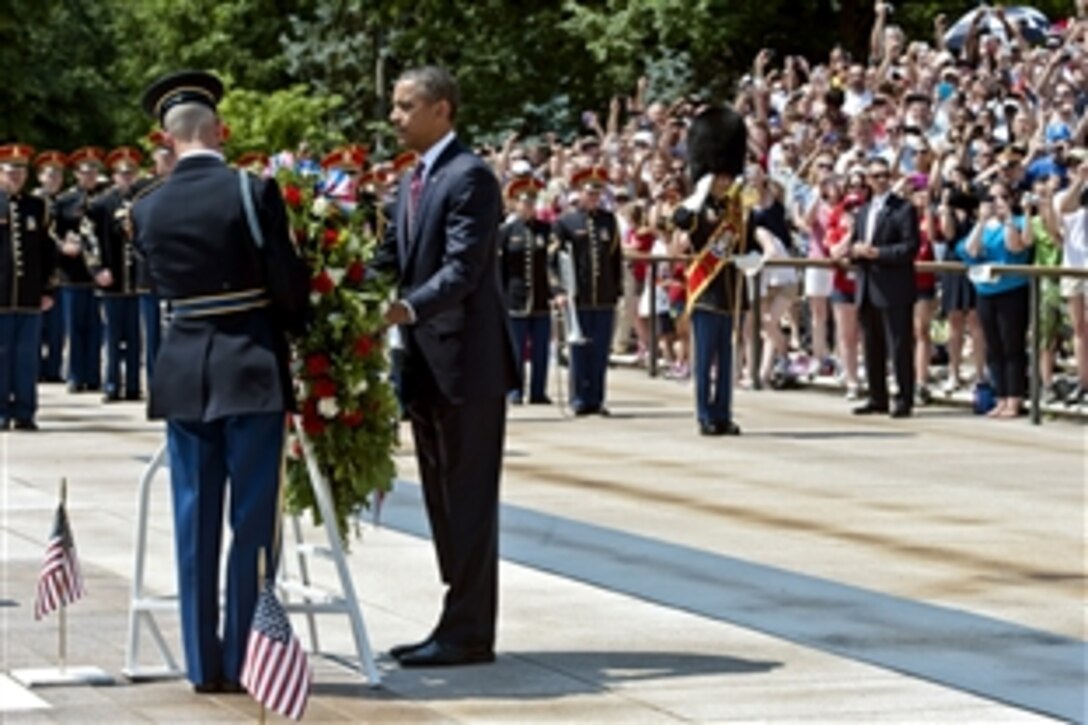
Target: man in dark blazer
[
  {"x": 441, "y": 245},
  {"x": 221, "y": 379},
  {"x": 884, "y": 247}
]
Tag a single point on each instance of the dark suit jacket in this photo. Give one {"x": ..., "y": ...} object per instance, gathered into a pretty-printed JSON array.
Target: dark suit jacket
[
  {"x": 194, "y": 233},
  {"x": 889, "y": 279},
  {"x": 447, "y": 270}
]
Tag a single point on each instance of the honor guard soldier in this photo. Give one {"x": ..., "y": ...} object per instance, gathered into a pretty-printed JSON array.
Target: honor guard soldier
[
  {"x": 27, "y": 264},
  {"x": 590, "y": 236},
  {"x": 112, "y": 261},
  {"x": 162, "y": 157},
  {"x": 525, "y": 245},
  {"x": 51, "y": 166},
  {"x": 226, "y": 266},
  {"x": 715, "y": 221}
]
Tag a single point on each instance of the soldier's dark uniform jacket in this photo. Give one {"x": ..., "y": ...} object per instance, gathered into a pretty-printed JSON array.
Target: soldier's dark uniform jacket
[
  {"x": 701, "y": 227},
  {"x": 111, "y": 247},
  {"x": 140, "y": 189},
  {"x": 592, "y": 238},
  {"x": 527, "y": 275},
  {"x": 194, "y": 232},
  {"x": 27, "y": 253},
  {"x": 72, "y": 208}
]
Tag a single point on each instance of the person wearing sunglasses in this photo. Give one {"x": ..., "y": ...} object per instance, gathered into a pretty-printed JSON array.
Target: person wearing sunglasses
[{"x": 884, "y": 247}]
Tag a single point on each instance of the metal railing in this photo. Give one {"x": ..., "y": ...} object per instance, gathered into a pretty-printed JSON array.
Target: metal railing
[{"x": 1034, "y": 274}]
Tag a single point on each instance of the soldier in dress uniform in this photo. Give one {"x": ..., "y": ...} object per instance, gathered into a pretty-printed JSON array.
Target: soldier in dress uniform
[
  {"x": 525, "y": 245},
  {"x": 162, "y": 156},
  {"x": 51, "y": 166},
  {"x": 112, "y": 261},
  {"x": 715, "y": 221},
  {"x": 590, "y": 235},
  {"x": 82, "y": 315},
  {"x": 222, "y": 379},
  {"x": 27, "y": 265}
]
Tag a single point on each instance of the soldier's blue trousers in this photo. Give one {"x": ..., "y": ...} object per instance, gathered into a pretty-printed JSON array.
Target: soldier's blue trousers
[
  {"x": 83, "y": 323},
  {"x": 246, "y": 450},
  {"x": 589, "y": 362},
  {"x": 122, "y": 343},
  {"x": 152, "y": 322},
  {"x": 713, "y": 333},
  {"x": 537, "y": 330},
  {"x": 52, "y": 342},
  {"x": 20, "y": 354}
]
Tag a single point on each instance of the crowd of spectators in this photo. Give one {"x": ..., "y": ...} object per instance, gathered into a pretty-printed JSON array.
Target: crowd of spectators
[{"x": 986, "y": 136}]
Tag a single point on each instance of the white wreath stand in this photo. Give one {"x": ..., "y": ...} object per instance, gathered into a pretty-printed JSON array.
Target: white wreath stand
[{"x": 143, "y": 607}]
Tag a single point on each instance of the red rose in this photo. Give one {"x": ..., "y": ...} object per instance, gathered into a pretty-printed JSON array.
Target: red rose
[
  {"x": 311, "y": 421},
  {"x": 322, "y": 283},
  {"x": 364, "y": 345},
  {"x": 292, "y": 195},
  {"x": 324, "y": 388},
  {"x": 356, "y": 272},
  {"x": 331, "y": 238},
  {"x": 352, "y": 419},
  {"x": 317, "y": 365}
]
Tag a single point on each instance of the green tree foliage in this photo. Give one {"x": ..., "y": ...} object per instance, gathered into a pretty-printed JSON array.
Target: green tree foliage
[
  {"x": 279, "y": 120},
  {"x": 54, "y": 92}
]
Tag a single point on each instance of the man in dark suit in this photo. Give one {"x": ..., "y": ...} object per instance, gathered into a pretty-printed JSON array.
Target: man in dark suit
[
  {"x": 221, "y": 379},
  {"x": 884, "y": 247},
  {"x": 441, "y": 245}
]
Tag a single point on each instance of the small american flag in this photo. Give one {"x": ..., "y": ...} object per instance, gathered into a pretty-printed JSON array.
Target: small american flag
[
  {"x": 59, "y": 582},
  {"x": 275, "y": 672}
]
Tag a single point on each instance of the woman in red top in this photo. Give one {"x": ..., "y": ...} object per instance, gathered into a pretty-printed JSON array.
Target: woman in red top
[
  {"x": 926, "y": 284},
  {"x": 840, "y": 229}
]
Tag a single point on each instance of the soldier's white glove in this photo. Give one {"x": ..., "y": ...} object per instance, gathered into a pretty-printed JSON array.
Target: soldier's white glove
[{"x": 695, "y": 202}]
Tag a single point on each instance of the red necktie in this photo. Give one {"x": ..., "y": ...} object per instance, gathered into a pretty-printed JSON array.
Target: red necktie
[{"x": 415, "y": 192}]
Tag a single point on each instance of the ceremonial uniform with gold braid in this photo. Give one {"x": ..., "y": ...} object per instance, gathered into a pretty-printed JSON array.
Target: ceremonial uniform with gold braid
[
  {"x": 719, "y": 231},
  {"x": 525, "y": 264},
  {"x": 82, "y": 315},
  {"x": 52, "y": 354},
  {"x": 592, "y": 239},
  {"x": 27, "y": 266},
  {"x": 114, "y": 251}
]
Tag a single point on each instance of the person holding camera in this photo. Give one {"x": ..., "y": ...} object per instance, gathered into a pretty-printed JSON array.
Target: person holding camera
[{"x": 999, "y": 238}]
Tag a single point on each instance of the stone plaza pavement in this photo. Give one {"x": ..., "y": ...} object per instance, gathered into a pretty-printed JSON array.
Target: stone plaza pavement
[{"x": 821, "y": 568}]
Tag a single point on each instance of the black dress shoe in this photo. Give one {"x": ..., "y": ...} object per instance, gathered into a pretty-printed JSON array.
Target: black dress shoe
[
  {"x": 730, "y": 428},
  {"x": 870, "y": 409},
  {"x": 544, "y": 400},
  {"x": 901, "y": 411},
  {"x": 711, "y": 429},
  {"x": 438, "y": 654},
  {"x": 584, "y": 411},
  {"x": 111, "y": 398},
  {"x": 208, "y": 688},
  {"x": 400, "y": 650},
  {"x": 231, "y": 688},
  {"x": 5, "y": 424},
  {"x": 25, "y": 425}
]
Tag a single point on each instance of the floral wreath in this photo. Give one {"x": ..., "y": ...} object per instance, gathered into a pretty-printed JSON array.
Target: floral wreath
[{"x": 340, "y": 371}]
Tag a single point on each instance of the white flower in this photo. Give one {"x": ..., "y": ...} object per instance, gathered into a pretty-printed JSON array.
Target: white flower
[
  {"x": 336, "y": 319},
  {"x": 320, "y": 207},
  {"x": 303, "y": 389},
  {"x": 293, "y": 447},
  {"x": 336, "y": 274},
  {"x": 361, "y": 387},
  {"x": 353, "y": 245},
  {"x": 315, "y": 298},
  {"x": 328, "y": 408}
]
